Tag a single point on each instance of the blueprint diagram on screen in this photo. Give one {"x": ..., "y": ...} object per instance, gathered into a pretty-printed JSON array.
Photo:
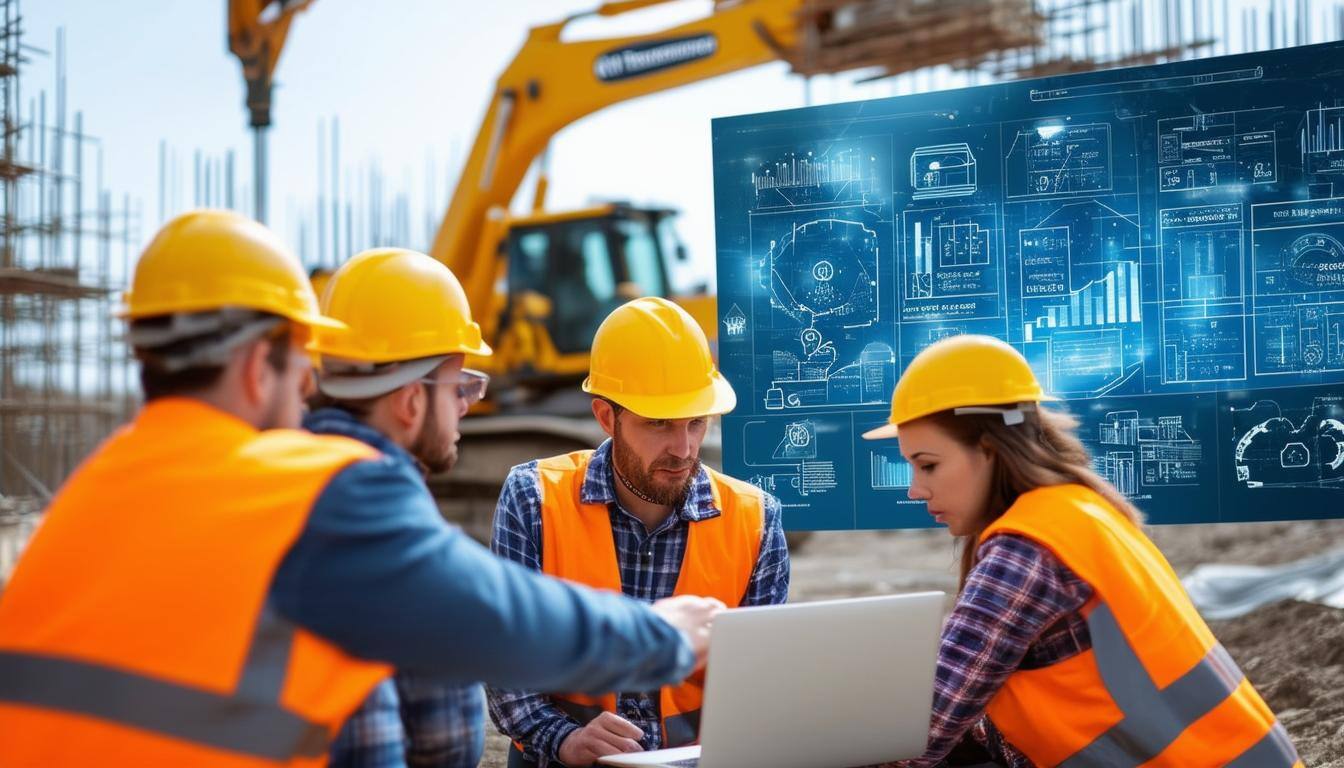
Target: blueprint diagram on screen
[
  {"x": 1164, "y": 245},
  {"x": 819, "y": 240},
  {"x": 1293, "y": 448}
]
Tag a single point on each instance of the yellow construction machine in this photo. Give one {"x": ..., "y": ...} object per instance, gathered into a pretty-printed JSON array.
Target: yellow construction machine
[{"x": 540, "y": 283}]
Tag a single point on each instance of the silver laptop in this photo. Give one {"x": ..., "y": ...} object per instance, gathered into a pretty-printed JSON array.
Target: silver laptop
[{"x": 814, "y": 685}]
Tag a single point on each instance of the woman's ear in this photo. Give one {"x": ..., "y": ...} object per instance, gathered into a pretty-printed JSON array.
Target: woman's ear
[{"x": 986, "y": 448}]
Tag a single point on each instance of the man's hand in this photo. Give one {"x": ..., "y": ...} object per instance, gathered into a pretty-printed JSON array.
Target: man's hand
[
  {"x": 693, "y": 616},
  {"x": 607, "y": 734}
]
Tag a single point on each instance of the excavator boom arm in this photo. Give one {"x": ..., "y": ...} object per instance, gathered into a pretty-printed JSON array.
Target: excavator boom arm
[{"x": 551, "y": 83}]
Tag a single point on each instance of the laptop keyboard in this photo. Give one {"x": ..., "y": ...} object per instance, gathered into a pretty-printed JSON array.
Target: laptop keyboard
[{"x": 690, "y": 762}]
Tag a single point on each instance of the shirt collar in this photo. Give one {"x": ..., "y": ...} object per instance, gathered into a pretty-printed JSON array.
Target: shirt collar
[
  {"x": 335, "y": 421},
  {"x": 599, "y": 487}
]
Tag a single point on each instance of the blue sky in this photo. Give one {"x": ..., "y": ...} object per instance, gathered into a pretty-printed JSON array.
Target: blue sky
[{"x": 407, "y": 79}]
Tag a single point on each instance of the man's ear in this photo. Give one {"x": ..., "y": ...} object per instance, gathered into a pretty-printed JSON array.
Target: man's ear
[
  {"x": 605, "y": 415},
  {"x": 407, "y": 405},
  {"x": 255, "y": 372}
]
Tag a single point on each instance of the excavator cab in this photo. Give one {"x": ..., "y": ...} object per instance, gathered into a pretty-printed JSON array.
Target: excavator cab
[{"x": 567, "y": 271}]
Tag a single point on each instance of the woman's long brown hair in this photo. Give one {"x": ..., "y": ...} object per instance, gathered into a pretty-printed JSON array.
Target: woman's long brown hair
[{"x": 1043, "y": 450}]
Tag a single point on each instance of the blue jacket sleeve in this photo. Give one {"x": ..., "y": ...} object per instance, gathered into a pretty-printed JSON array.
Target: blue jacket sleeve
[{"x": 377, "y": 571}]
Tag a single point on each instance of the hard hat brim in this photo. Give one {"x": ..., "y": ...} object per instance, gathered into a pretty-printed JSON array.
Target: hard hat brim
[
  {"x": 309, "y": 319},
  {"x": 360, "y": 387},
  {"x": 714, "y": 400},
  {"x": 884, "y": 432},
  {"x": 319, "y": 321}
]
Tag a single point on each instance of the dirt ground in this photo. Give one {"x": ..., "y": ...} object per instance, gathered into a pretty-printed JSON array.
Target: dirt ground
[{"x": 1293, "y": 652}]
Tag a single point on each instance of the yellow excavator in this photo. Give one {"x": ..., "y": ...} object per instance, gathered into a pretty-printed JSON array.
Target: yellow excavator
[{"x": 540, "y": 283}]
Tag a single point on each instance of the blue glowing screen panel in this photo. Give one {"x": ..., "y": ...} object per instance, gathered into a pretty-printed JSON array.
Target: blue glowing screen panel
[{"x": 1164, "y": 244}]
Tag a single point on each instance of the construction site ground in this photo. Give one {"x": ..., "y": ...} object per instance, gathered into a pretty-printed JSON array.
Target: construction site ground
[{"x": 1293, "y": 652}]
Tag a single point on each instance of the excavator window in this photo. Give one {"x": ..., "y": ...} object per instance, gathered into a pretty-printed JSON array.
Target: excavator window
[
  {"x": 587, "y": 267},
  {"x": 570, "y": 263},
  {"x": 643, "y": 263}
]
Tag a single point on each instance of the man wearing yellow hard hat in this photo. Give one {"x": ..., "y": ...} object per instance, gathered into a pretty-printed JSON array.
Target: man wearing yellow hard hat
[
  {"x": 215, "y": 588},
  {"x": 393, "y": 379},
  {"x": 1072, "y": 642},
  {"x": 642, "y": 516}
]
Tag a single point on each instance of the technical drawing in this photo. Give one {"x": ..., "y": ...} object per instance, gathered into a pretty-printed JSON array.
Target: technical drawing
[
  {"x": 1081, "y": 293},
  {"x": 1322, "y": 140},
  {"x": 950, "y": 266},
  {"x": 796, "y": 456},
  {"x": 1112, "y": 299},
  {"x": 1300, "y": 339},
  {"x": 1273, "y": 450},
  {"x": 944, "y": 170},
  {"x": 1164, "y": 245},
  {"x": 824, "y": 270},
  {"x": 815, "y": 380},
  {"x": 888, "y": 473},
  {"x": 1211, "y": 149},
  {"x": 1203, "y": 333},
  {"x": 838, "y": 174},
  {"x": 1135, "y": 86},
  {"x": 823, "y": 275},
  {"x": 1299, "y": 286},
  {"x": 1138, "y": 453},
  {"x": 735, "y": 322},
  {"x": 799, "y": 441},
  {"x": 1054, "y": 159}
]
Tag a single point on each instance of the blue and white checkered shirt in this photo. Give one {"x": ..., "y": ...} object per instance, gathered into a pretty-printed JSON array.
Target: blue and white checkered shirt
[
  {"x": 408, "y": 719},
  {"x": 650, "y": 564}
]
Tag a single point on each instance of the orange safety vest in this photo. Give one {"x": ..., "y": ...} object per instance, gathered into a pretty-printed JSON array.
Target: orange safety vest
[
  {"x": 1156, "y": 689},
  {"x": 721, "y": 553},
  {"x": 135, "y": 630}
]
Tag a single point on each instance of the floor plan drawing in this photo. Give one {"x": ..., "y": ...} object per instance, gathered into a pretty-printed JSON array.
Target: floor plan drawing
[{"x": 1216, "y": 149}]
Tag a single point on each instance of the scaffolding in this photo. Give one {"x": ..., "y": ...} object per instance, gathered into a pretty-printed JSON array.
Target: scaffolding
[
  {"x": 995, "y": 40},
  {"x": 64, "y": 245}
]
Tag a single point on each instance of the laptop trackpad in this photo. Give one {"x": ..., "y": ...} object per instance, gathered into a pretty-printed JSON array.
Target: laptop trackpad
[{"x": 681, "y": 757}]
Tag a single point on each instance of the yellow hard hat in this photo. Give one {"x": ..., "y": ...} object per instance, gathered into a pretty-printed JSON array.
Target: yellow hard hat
[
  {"x": 396, "y": 305},
  {"x": 208, "y": 260},
  {"x": 960, "y": 372},
  {"x": 651, "y": 357},
  {"x": 318, "y": 277}
]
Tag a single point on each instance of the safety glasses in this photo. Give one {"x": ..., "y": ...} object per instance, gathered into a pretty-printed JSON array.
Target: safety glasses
[{"x": 471, "y": 384}]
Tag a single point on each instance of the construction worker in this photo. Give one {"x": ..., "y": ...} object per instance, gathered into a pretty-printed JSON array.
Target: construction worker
[
  {"x": 1072, "y": 642},
  {"x": 639, "y": 515},
  {"x": 393, "y": 379},
  {"x": 209, "y": 590}
]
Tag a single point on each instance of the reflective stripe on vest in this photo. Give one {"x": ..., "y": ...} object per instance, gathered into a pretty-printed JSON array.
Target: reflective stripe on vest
[
  {"x": 251, "y": 721},
  {"x": 1156, "y": 687},
  {"x": 135, "y": 629},
  {"x": 721, "y": 553},
  {"x": 1155, "y": 718}
]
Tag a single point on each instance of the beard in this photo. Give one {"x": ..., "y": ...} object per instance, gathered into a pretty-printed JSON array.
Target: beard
[
  {"x": 642, "y": 479},
  {"x": 433, "y": 447}
]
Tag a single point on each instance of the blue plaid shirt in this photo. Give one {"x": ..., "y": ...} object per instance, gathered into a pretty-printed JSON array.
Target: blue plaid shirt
[
  {"x": 650, "y": 564},
  {"x": 407, "y": 720}
]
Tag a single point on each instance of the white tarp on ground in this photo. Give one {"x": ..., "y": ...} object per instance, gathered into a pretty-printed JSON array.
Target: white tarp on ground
[{"x": 1228, "y": 591}]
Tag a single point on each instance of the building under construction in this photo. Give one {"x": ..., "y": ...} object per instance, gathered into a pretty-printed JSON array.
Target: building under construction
[{"x": 65, "y": 242}]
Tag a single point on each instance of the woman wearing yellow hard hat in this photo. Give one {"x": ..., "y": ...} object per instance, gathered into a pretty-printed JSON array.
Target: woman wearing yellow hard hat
[{"x": 1072, "y": 642}]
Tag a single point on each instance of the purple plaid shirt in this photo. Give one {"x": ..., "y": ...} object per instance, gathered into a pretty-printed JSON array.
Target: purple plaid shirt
[
  {"x": 650, "y": 563},
  {"x": 1018, "y": 610}
]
